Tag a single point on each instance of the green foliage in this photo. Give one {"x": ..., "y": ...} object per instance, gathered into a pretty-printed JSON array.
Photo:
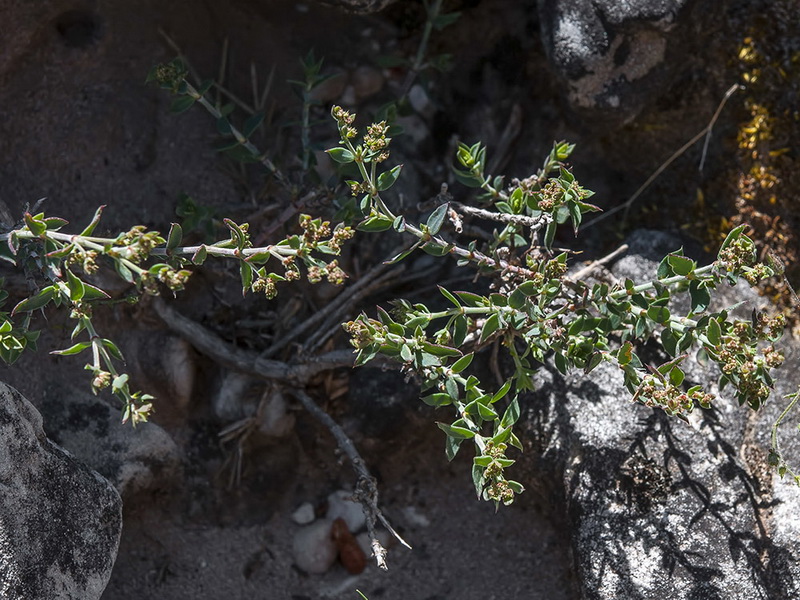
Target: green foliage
[{"x": 537, "y": 311}]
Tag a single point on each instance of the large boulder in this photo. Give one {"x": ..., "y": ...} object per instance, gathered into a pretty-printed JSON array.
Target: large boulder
[
  {"x": 660, "y": 508},
  {"x": 135, "y": 460},
  {"x": 615, "y": 57},
  {"x": 60, "y": 522}
]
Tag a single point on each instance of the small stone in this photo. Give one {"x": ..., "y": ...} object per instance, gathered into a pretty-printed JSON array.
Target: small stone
[
  {"x": 329, "y": 90},
  {"x": 421, "y": 102},
  {"x": 341, "y": 504},
  {"x": 313, "y": 548},
  {"x": 366, "y": 82},
  {"x": 304, "y": 514},
  {"x": 415, "y": 518}
]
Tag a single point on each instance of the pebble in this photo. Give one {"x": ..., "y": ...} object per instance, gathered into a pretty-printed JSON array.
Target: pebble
[
  {"x": 304, "y": 514},
  {"x": 421, "y": 102},
  {"x": 366, "y": 81},
  {"x": 313, "y": 549},
  {"x": 341, "y": 505},
  {"x": 415, "y": 518}
]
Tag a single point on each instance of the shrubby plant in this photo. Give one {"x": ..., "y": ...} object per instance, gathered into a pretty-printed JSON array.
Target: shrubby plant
[{"x": 536, "y": 310}]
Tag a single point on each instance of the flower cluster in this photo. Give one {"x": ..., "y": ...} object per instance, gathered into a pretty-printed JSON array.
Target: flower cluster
[
  {"x": 656, "y": 392},
  {"x": 135, "y": 245}
]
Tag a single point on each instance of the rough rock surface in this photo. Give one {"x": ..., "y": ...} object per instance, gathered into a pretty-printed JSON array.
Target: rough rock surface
[
  {"x": 60, "y": 522},
  {"x": 612, "y": 55},
  {"x": 660, "y": 508},
  {"x": 134, "y": 460}
]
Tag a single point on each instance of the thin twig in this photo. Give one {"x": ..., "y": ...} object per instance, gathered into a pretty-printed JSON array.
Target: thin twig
[
  {"x": 327, "y": 328},
  {"x": 366, "y": 488},
  {"x": 582, "y": 273},
  {"x": 535, "y": 223},
  {"x": 238, "y": 359},
  {"x": 706, "y": 130}
]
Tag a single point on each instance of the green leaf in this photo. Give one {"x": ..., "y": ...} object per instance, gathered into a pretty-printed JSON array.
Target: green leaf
[
  {"x": 713, "y": 332},
  {"x": 594, "y": 359},
  {"x": 113, "y": 349},
  {"x": 181, "y": 104},
  {"x": 460, "y": 326},
  {"x": 252, "y": 123},
  {"x": 466, "y": 178},
  {"x": 39, "y": 300},
  {"x": 76, "y": 349},
  {"x": 561, "y": 363},
  {"x": 35, "y": 224},
  {"x": 76, "y": 287},
  {"x": 676, "y": 376},
  {"x": 550, "y": 235},
  {"x": 700, "y": 296},
  {"x": 462, "y": 363},
  {"x": 246, "y": 274},
  {"x": 436, "y": 219},
  {"x": 435, "y": 249},
  {"x": 492, "y": 324},
  {"x": 224, "y": 126},
  {"x": 501, "y": 393},
  {"x": 387, "y": 179},
  {"x": 451, "y": 446},
  {"x": 681, "y": 265},
  {"x": 398, "y": 257},
  {"x": 199, "y": 257},
  {"x": 487, "y": 412},
  {"x": 375, "y": 224},
  {"x": 438, "y": 399},
  {"x": 669, "y": 342},
  {"x": 659, "y": 314},
  {"x": 123, "y": 271},
  {"x": 341, "y": 155},
  {"x": 511, "y": 415},
  {"x": 446, "y": 293},
  {"x": 55, "y": 223},
  {"x": 456, "y": 432},
  {"x": 175, "y": 236}
]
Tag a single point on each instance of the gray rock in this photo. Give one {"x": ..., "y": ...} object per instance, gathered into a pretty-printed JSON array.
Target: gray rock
[
  {"x": 660, "y": 508},
  {"x": 133, "y": 459},
  {"x": 60, "y": 522},
  {"x": 615, "y": 57}
]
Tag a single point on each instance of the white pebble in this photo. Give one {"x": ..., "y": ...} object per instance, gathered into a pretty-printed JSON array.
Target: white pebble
[
  {"x": 304, "y": 514},
  {"x": 340, "y": 504},
  {"x": 313, "y": 548}
]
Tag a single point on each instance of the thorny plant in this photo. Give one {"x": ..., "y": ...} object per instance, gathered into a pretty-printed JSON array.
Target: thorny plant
[{"x": 536, "y": 311}]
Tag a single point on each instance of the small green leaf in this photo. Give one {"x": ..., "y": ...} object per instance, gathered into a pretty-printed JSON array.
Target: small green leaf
[
  {"x": 491, "y": 325},
  {"x": 436, "y": 219},
  {"x": 659, "y": 314},
  {"x": 456, "y": 432},
  {"x": 446, "y": 293},
  {"x": 36, "y": 225},
  {"x": 181, "y": 104},
  {"x": 123, "y": 271},
  {"x": 700, "y": 296},
  {"x": 550, "y": 235},
  {"x": 713, "y": 332},
  {"x": 561, "y": 363},
  {"x": 387, "y": 179},
  {"x": 375, "y": 224},
  {"x": 501, "y": 393},
  {"x": 676, "y": 376},
  {"x": 669, "y": 342},
  {"x": 438, "y": 399},
  {"x": 199, "y": 257},
  {"x": 511, "y": 415},
  {"x": 341, "y": 155},
  {"x": 246, "y": 274},
  {"x": 451, "y": 446},
  {"x": 252, "y": 123},
  {"x": 681, "y": 265},
  {"x": 462, "y": 363},
  {"x": 175, "y": 236},
  {"x": 76, "y": 349},
  {"x": 734, "y": 235},
  {"x": 39, "y": 300},
  {"x": 76, "y": 287}
]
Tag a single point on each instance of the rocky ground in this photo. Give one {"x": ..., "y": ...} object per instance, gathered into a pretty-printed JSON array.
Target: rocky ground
[{"x": 210, "y": 516}]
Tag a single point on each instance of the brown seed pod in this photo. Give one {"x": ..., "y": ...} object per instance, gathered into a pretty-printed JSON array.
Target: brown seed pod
[{"x": 351, "y": 555}]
